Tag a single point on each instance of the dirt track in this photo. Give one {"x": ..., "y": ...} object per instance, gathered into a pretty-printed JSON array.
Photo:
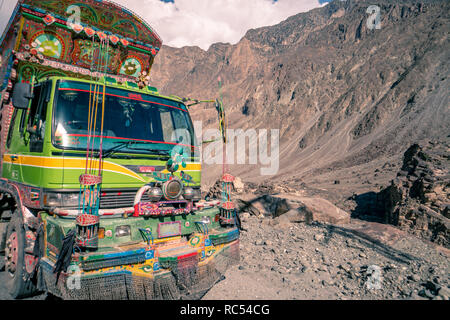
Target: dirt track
[{"x": 298, "y": 261}]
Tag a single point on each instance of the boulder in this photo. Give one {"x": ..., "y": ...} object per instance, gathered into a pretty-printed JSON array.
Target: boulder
[
  {"x": 288, "y": 208},
  {"x": 321, "y": 210},
  {"x": 259, "y": 207},
  {"x": 215, "y": 191},
  {"x": 247, "y": 206},
  {"x": 238, "y": 185},
  {"x": 293, "y": 216}
]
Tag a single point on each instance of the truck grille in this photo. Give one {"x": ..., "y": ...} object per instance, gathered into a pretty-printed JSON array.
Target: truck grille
[
  {"x": 119, "y": 199},
  {"x": 113, "y": 199}
]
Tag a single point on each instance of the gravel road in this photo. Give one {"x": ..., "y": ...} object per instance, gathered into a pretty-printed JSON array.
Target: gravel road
[{"x": 357, "y": 261}]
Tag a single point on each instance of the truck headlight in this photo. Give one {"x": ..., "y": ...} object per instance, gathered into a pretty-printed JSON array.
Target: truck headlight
[
  {"x": 56, "y": 200},
  {"x": 205, "y": 220},
  {"x": 52, "y": 200},
  {"x": 188, "y": 193},
  {"x": 123, "y": 231},
  {"x": 172, "y": 189},
  {"x": 155, "y": 194}
]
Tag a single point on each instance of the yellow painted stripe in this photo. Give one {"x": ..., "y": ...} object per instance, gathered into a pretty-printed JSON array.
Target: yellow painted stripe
[
  {"x": 60, "y": 163},
  {"x": 19, "y": 34},
  {"x": 79, "y": 163}
]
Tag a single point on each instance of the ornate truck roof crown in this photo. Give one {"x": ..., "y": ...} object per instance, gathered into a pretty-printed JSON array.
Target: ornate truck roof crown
[{"x": 80, "y": 38}]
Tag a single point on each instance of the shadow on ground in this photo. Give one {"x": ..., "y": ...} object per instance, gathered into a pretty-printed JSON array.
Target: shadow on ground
[
  {"x": 369, "y": 242},
  {"x": 368, "y": 208}
]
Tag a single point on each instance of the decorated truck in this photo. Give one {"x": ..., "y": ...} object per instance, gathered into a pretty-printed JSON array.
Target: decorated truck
[{"x": 100, "y": 173}]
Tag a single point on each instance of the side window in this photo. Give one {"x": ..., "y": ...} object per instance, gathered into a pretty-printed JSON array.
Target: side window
[
  {"x": 32, "y": 110},
  {"x": 167, "y": 125},
  {"x": 23, "y": 116},
  {"x": 179, "y": 120},
  {"x": 34, "y": 105},
  {"x": 38, "y": 120},
  {"x": 182, "y": 134},
  {"x": 37, "y": 116}
]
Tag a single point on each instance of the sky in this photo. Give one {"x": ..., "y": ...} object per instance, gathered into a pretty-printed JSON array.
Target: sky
[{"x": 203, "y": 22}]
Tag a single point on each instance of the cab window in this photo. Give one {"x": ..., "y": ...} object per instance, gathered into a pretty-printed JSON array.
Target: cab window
[
  {"x": 37, "y": 116},
  {"x": 34, "y": 105}
]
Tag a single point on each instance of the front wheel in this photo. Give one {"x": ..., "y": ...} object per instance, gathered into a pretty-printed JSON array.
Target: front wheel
[{"x": 17, "y": 281}]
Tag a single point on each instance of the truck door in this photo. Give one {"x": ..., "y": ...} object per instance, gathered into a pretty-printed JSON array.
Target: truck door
[{"x": 34, "y": 163}]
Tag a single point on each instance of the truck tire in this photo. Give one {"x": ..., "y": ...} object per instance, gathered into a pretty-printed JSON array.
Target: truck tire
[
  {"x": 17, "y": 282},
  {"x": 5, "y": 216},
  {"x": 3, "y": 227}
]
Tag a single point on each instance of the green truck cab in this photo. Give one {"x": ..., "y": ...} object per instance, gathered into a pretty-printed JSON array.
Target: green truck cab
[{"x": 100, "y": 174}]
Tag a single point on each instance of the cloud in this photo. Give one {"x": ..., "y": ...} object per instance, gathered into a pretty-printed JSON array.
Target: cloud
[
  {"x": 6, "y": 9},
  {"x": 203, "y": 22}
]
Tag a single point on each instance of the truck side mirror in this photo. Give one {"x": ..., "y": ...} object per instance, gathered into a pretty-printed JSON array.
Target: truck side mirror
[{"x": 21, "y": 96}]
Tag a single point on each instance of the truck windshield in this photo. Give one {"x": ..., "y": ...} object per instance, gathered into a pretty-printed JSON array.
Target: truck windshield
[{"x": 152, "y": 124}]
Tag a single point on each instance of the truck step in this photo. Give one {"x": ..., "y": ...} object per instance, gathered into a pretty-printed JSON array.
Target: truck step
[{"x": 169, "y": 254}]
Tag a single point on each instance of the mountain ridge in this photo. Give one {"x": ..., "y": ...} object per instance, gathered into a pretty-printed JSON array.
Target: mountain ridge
[{"x": 341, "y": 94}]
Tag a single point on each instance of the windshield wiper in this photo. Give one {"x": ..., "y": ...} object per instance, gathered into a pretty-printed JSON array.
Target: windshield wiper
[
  {"x": 159, "y": 151},
  {"x": 121, "y": 145},
  {"x": 128, "y": 144}
]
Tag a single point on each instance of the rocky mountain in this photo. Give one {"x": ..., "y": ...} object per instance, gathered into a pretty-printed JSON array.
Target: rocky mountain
[
  {"x": 364, "y": 119},
  {"x": 349, "y": 94},
  {"x": 417, "y": 200},
  {"x": 347, "y": 97}
]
